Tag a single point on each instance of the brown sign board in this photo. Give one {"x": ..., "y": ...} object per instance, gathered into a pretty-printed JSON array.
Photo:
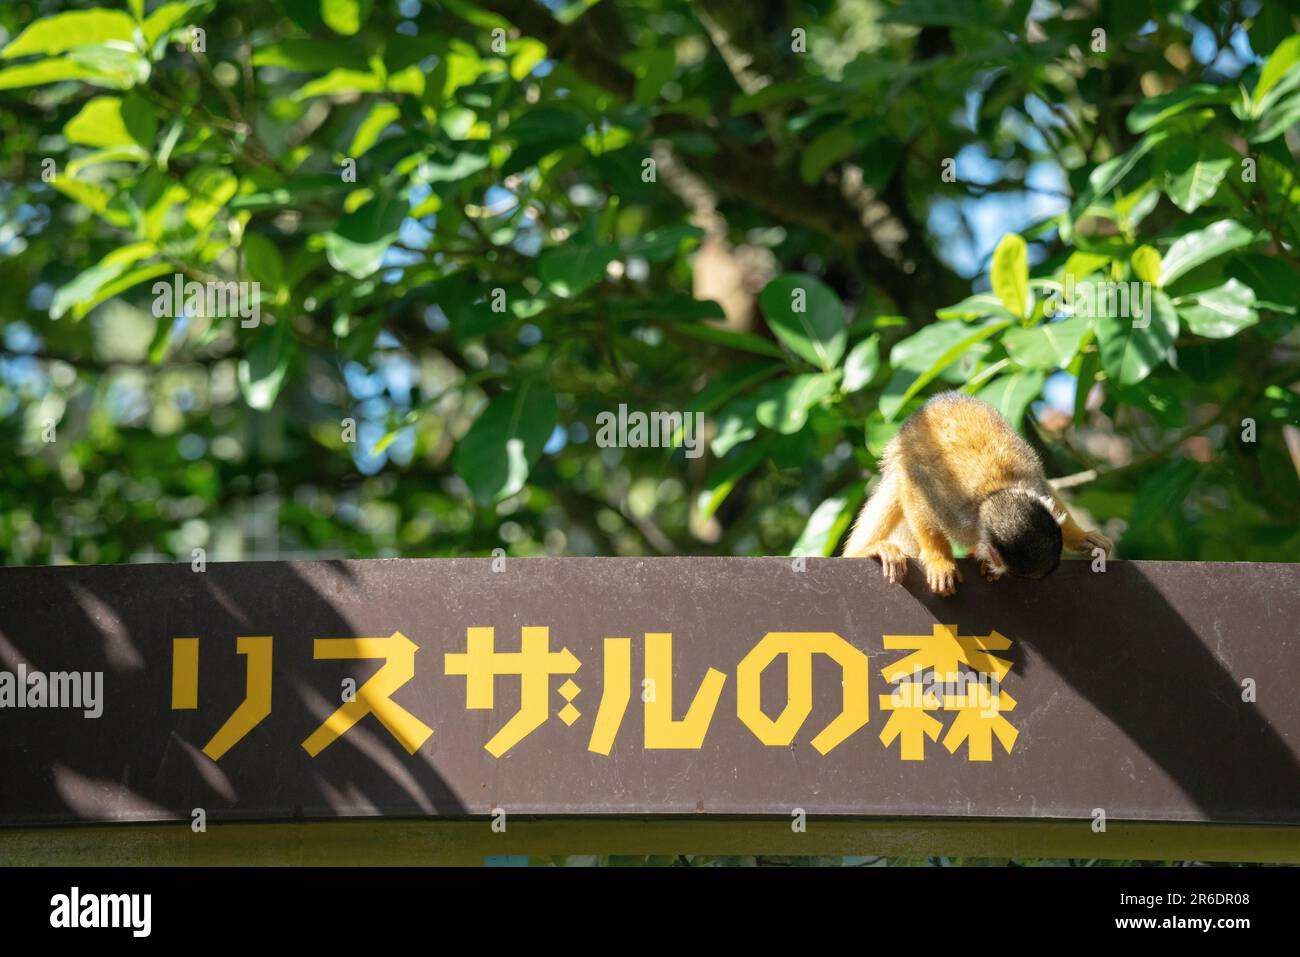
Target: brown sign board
[{"x": 450, "y": 688}]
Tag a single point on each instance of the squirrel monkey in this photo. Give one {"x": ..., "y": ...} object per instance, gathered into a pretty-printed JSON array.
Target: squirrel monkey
[{"x": 957, "y": 471}]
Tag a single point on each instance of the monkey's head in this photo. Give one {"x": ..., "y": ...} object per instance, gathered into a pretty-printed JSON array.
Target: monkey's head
[{"x": 1020, "y": 533}]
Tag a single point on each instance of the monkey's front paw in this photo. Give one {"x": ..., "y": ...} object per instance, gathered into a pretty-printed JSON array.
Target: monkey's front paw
[
  {"x": 1095, "y": 539},
  {"x": 991, "y": 571},
  {"x": 942, "y": 578},
  {"x": 893, "y": 563}
]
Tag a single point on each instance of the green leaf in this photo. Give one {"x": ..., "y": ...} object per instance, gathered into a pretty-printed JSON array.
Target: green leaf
[
  {"x": 743, "y": 341},
  {"x": 1131, "y": 348},
  {"x": 312, "y": 55},
  {"x": 88, "y": 288},
  {"x": 1222, "y": 311},
  {"x": 829, "y": 521},
  {"x": 1109, "y": 174},
  {"x": 1282, "y": 61},
  {"x": 376, "y": 121},
  {"x": 728, "y": 383},
  {"x": 210, "y": 188},
  {"x": 1276, "y": 283},
  {"x": 451, "y": 167},
  {"x": 1192, "y": 168},
  {"x": 978, "y": 306},
  {"x": 1146, "y": 265},
  {"x": 341, "y": 81},
  {"x": 120, "y": 284},
  {"x": 262, "y": 261},
  {"x": 1010, "y": 274},
  {"x": 132, "y": 253},
  {"x": 660, "y": 245},
  {"x": 93, "y": 197},
  {"x": 861, "y": 364},
  {"x": 83, "y": 287},
  {"x": 807, "y": 316},
  {"x": 1157, "y": 109},
  {"x": 527, "y": 54},
  {"x": 737, "y": 423},
  {"x": 1161, "y": 496},
  {"x": 122, "y": 154},
  {"x": 571, "y": 270},
  {"x": 44, "y": 71},
  {"x": 547, "y": 126},
  {"x": 165, "y": 19},
  {"x": 498, "y": 452},
  {"x": 295, "y": 193},
  {"x": 345, "y": 16},
  {"x": 922, "y": 356},
  {"x": 357, "y": 244},
  {"x": 723, "y": 481},
  {"x": 1193, "y": 249},
  {"x": 826, "y": 150},
  {"x": 1277, "y": 120},
  {"x": 774, "y": 94},
  {"x": 726, "y": 386},
  {"x": 162, "y": 339},
  {"x": 65, "y": 31},
  {"x": 784, "y": 405},
  {"x": 262, "y": 370},
  {"x": 1082, "y": 264},
  {"x": 879, "y": 432},
  {"x": 112, "y": 121},
  {"x": 935, "y": 347},
  {"x": 1086, "y": 373},
  {"x": 1052, "y": 345},
  {"x": 1011, "y": 394},
  {"x": 114, "y": 64},
  {"x": 678, "y": 308},
  {"x": 653, "y": 70}
]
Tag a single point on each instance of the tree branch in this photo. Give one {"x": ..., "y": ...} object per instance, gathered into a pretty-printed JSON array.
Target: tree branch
[{"x": 739, "y": 170}]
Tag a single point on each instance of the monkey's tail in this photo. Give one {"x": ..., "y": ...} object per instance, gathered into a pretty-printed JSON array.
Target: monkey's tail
[
  {"x": 856, "y": 545},
  {"x": 877, "y": 520}
]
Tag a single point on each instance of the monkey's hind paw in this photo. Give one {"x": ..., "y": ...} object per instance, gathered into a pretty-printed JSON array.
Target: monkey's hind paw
[
  {"x": 991, "y": 572},
  {"x": 943, "y": 579},
  {"x": 893, "y": 563}
]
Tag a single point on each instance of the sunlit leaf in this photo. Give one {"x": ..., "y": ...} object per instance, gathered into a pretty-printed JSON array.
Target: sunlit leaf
[
  {"x": 496, "y": 455},
  {"x": 922, "y": 356},
  {"x": 263, "y": 369},
  {"x": 784, "y": 405},
  {"x": 1222, "y": 311},
  {"x": 1052, "y": 345},
  {"x": 1132, "y": 347},
  {"x": 807, "y": 316},
  {"x": 1195, "y": 248},
  {"x": 723, "y": 481},
  {"x": 861, "y": 364},
  {"x": 573, "y": 269},
  {"x": 1010, "y": 274},
  {"x": 65, "y": 31},
  {"x": 1193, "y": 168},
  {"x": 113, "y": 121},
  {"x": 1281, "y": 62},
  {"x": 345, "y": 16},
  {"x": 1011, "y": 394},
  {"x": 829, "y": 521},
  {"x": 357, "y": 244}
]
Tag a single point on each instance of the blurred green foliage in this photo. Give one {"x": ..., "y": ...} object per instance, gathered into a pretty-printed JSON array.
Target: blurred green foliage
[{"x": 476, "y": 226}]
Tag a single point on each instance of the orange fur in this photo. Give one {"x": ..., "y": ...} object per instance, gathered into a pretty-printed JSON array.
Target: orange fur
[{"x": 943, "y": 462}]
